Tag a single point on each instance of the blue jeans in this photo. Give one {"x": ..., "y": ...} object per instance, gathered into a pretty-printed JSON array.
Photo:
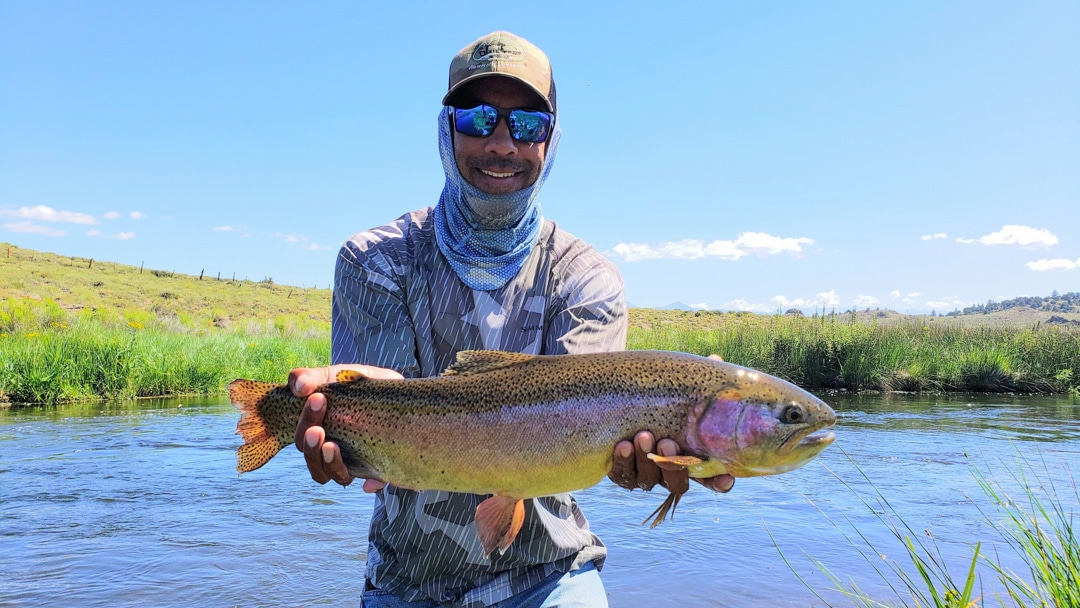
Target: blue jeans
[{"x": 581, "y": 588}]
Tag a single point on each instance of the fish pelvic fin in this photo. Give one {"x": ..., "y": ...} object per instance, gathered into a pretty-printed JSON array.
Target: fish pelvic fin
[
  {"x": 263, "y": 422},
  {"x": 661, "y": 513},
  {"x": 498, "y": 521},
  {"x": 677, "y": 484},
  {"x": 479, "y": 361},
  {"x": 674, "y": 463}
]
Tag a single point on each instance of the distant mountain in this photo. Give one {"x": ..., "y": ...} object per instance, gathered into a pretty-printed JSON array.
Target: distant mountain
[
  {"x": 1069, "y": 302},
  {"x": 678, "y": 306}
]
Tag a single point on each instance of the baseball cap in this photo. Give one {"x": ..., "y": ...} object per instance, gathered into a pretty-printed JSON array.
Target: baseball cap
[{"x": 503, "y": 54}]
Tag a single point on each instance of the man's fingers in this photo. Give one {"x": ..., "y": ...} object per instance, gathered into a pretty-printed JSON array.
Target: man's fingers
[
  {"x": 312, "y": 415},
  {"x": 373, "y": 485},
  {"x": 720, "y": 483},
  {"x": 622, "y": 467},
  {"x": 648, "y": 474},
  {"x": 313, "y": 442},
  {"x": 333, "y": 465},
  {"x": 676, "y": 481}
]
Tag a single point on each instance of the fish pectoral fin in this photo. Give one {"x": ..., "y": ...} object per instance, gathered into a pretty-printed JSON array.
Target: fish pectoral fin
[
  {"x": 480, "y": 361},
  {"x": 347, "y": 376},
  {"x": 674, "y": 463},
  {"x": 498, "y": 521},
  {"x": 661, "y": 513}
]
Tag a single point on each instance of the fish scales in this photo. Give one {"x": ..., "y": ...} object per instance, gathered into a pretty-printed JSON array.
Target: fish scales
[{"x": 521, "y": 426}]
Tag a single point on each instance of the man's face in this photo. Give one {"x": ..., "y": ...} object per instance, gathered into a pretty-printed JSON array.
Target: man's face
[{"x": 498, "y": 164}]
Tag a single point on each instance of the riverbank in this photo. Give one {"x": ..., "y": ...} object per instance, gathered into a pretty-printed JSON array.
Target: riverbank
[{"x": 50, "y": 354}]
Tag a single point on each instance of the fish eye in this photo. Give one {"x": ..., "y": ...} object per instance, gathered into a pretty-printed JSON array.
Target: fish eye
[{"x": 792, "y": 414}]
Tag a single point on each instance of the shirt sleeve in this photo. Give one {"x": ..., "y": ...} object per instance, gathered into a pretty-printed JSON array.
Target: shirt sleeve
[
  {"x": 589, "y": 312},
  {"x": 370, "y": 317}
]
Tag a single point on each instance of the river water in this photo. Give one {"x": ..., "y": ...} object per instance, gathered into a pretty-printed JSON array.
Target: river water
[{"x": 138, "y": 504}]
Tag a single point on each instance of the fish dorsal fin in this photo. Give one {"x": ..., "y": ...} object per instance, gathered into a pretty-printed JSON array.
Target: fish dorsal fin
[
  {"x": 480, "y": 361},
  {"x": 349, "y": 376}
]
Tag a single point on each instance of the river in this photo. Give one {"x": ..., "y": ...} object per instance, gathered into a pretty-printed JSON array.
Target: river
[{"x": 138, "y": 503}]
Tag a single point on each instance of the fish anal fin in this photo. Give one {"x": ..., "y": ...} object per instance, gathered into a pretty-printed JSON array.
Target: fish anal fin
[
  {"x": 480, "y": 361},
  {"x": 348, "y": 376},
  {"x": 498, "y": 521},
  {"x": 674, "y": 463}
]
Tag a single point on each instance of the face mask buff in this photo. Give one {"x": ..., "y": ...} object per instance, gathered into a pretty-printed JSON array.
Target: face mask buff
[{"x": 487, "y": 237}]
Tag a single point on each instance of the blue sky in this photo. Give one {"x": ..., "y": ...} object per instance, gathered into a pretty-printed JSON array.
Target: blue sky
[{"x": 732, "y": 155}]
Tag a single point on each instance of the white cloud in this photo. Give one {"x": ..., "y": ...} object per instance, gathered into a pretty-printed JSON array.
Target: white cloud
[
  {"x": 745, "y": 305},
  {"x": 825, "y": 299},
  {"x": 121, "y": 236},
  {"x": 226, "y": 229},
  {"x": 32, "y": 228},
  {"x": 289, "y": 238},
  {"x": 865, "y": 301},
  {"x": 948, "y": 302},
  {"x": 936, "y": 235},
  {"x": 138, "y": 215},
  {"x": 1055, "y": 264},
  {"x": 895, "y": 293},
  {"x": 1024, "y": 236},
  {"x": 111, "y": 215},
  {"x": 691, "y": 249},
  {"x": 702, "y": 306},
  {"x": 48, "y": 214}
]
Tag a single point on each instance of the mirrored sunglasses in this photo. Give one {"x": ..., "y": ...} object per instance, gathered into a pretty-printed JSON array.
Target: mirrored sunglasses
[{"x": 526, "y": 126}]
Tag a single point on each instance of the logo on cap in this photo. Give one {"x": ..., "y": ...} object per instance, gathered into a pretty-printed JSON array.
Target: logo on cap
[{"x": 498, "y": 49}]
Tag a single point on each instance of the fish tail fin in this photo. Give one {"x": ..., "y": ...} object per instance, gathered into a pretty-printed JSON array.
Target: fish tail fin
[
  {"x": 498, "y": 521},
  {"x": 262, "y": 426}
]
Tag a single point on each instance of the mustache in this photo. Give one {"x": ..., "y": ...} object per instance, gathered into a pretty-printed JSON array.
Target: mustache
[{"x": 499, "y": 165}]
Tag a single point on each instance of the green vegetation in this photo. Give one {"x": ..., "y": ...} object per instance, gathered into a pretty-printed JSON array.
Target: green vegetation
[
  {"x": 48, "y": 355},
  {"x": 1037, "y": 526},
  {"x": 843, "y": 352},
  {"x": 75, "y": 328},
  {"x": 72, "y": 329}
]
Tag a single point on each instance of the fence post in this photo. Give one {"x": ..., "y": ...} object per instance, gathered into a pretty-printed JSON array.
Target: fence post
[
  {"x": 201, "y": 273},
  {"x": 91, "y": 264}
]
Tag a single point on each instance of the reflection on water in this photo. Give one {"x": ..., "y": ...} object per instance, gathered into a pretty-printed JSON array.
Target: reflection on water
[{"x": 138, "y": 503}]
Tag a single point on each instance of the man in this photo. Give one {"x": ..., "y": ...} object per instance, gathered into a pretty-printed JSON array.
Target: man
[{"x": 481, "y": 270}]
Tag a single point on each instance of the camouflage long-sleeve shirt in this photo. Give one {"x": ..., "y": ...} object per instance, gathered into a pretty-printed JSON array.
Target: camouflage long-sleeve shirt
[{"x": 398, "y": 304}]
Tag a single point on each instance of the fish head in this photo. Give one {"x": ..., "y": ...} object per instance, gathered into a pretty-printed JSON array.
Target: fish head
[{"x": 757, "y": 424}]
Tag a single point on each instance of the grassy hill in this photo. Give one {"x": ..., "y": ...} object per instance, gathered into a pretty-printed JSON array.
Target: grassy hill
[
  {"x": 73, "y": 328},
  {"x": 210, "y": 302},
  {"x": 144, "y": 294}
]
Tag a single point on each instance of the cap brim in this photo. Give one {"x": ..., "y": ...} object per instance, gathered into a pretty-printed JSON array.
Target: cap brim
[{"x": 457, "y": 87}]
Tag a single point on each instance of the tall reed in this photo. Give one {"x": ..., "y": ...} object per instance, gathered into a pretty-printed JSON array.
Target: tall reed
[{"x": 830, "y": 352}]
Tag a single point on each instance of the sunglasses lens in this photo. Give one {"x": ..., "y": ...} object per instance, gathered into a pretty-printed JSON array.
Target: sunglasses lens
[
  {"x": 476, "y": 122},
  {"x": 528, "y": 126}
]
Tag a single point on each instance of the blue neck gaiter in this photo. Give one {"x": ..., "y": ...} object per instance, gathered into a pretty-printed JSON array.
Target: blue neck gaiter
[{"x": 487, "y": 237}]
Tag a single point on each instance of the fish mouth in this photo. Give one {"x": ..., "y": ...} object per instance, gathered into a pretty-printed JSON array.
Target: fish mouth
[{"x": 804, "y": 439}]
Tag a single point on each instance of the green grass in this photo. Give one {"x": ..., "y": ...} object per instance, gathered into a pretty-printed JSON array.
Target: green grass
[
  {"x": 48, "y": 356},
  {"x": 1037, "y": 526},
  {"x": 74, "y": 328},
  {"x": 837, "y": 352}
]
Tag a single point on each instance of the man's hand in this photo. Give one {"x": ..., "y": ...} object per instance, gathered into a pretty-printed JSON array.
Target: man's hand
[
  {"x": 633, "y": 469},
  {"x": 324, "y": 457}
]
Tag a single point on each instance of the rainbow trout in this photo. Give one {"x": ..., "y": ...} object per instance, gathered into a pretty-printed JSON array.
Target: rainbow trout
[{"x": 519, "y": 426}]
